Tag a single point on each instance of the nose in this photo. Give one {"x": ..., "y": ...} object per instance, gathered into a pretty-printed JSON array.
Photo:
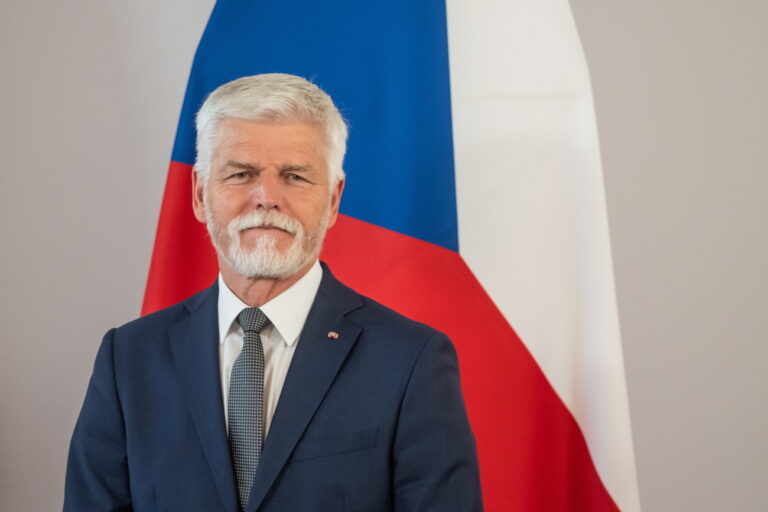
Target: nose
[{"x": 266, "y": 192}]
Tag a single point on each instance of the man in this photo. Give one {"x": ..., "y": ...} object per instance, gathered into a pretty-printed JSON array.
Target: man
[{"x": 278, "y": 388}]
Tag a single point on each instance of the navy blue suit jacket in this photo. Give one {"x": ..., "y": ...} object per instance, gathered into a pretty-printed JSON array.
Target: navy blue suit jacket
[{"x": 371, "y": 421}]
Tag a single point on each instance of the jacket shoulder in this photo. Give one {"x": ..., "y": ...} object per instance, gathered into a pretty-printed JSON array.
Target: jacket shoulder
[
  {"x": 163, "y": 319},
  {"x": 392, "y": 332},
  {"x": 375, "y": 318},
  {"x": 376, "y": 313}
]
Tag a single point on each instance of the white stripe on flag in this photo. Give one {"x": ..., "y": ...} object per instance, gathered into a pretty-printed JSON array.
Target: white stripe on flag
[{"x": 532, "y": 218}]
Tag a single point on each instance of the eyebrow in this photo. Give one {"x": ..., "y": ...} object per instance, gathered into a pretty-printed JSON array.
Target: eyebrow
[
  {"x": 243, "y": 166},
  {"x": 296, "y": 168}
]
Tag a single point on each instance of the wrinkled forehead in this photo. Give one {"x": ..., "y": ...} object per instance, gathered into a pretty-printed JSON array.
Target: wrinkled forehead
[{"x": 248, "y": 130}]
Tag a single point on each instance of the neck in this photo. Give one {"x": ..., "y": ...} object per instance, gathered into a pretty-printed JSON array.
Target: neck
[{"x": 257, "y": 291}]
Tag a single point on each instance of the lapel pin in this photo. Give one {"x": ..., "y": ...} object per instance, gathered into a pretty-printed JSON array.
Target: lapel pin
[{"x": 333, "y": 335}]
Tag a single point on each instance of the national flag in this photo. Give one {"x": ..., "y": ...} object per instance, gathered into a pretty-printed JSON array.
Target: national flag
[{"x": 474, "y": 203}]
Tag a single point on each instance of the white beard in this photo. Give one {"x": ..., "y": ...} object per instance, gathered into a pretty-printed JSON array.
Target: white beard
[{"x": 265, "y": 260}]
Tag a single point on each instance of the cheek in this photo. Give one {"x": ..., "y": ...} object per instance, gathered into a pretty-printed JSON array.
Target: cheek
[
  {"x": 225, "y": 206},
  {"x": 317, "y": 213}
]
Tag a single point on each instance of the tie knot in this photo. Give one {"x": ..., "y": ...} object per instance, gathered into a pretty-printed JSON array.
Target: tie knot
[{"x": 252, "y": 320}]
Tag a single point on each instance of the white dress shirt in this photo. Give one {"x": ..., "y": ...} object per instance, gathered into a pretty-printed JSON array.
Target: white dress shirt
[{"x": 287, "y": 313}]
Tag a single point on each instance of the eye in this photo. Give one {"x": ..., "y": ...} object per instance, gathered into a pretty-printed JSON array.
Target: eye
[
  {"x": 297, "y": 178},
  {"x": 239, "y": 176}
]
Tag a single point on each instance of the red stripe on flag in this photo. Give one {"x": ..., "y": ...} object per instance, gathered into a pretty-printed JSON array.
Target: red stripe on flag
[
  {"x": 533, "y": 456},
  {"x": 183, "y": 261}
]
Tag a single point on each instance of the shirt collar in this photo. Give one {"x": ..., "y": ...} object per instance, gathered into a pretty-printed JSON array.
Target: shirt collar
[{"x": 287, "y": 312}]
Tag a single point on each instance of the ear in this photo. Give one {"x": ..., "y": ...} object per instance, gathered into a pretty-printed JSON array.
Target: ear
[
  {"x": 335, "y": 201},
  {"x": 197, "y": 196}
]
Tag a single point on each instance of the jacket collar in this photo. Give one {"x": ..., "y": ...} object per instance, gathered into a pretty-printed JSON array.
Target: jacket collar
[{"x": 195, "y": 349}]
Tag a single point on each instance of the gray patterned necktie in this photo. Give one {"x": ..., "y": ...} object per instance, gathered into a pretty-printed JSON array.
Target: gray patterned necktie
[{"x": 246, "y": 402}]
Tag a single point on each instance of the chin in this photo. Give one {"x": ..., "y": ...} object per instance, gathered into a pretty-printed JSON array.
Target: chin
[
  {"x": 255, "y": 239},
  {"x": 271, "y": 263}
]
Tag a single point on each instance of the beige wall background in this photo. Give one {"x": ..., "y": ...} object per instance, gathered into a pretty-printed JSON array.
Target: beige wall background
[{"x": 680, "y": 91}]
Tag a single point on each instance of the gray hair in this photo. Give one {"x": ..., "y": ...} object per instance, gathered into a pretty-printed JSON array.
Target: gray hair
[{"x": 274, "y": 98}]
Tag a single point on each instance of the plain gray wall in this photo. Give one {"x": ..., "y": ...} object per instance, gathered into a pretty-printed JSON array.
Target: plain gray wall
[
  {"x": 681, "y": 93},
  {"x": 90, "y": 95}
]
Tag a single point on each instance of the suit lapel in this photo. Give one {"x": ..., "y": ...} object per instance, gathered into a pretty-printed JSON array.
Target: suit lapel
[
  {"x": 314, "y": 366},
  {"x": 194, "y": 344}
]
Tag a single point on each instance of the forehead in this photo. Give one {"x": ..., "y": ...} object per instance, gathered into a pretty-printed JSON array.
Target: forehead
[{"x": 255, "y": 139}]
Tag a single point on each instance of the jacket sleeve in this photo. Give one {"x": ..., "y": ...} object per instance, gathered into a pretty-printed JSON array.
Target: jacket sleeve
[
  {"x": 97, "y": 468},
  {"x": 435, "y": 461}
]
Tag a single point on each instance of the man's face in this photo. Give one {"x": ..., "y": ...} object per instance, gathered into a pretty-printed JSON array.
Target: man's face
[{"x": 267, "y": 202}]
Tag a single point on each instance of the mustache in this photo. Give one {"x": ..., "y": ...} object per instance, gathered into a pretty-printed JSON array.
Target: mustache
[{"x": 260, "y": 218}]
